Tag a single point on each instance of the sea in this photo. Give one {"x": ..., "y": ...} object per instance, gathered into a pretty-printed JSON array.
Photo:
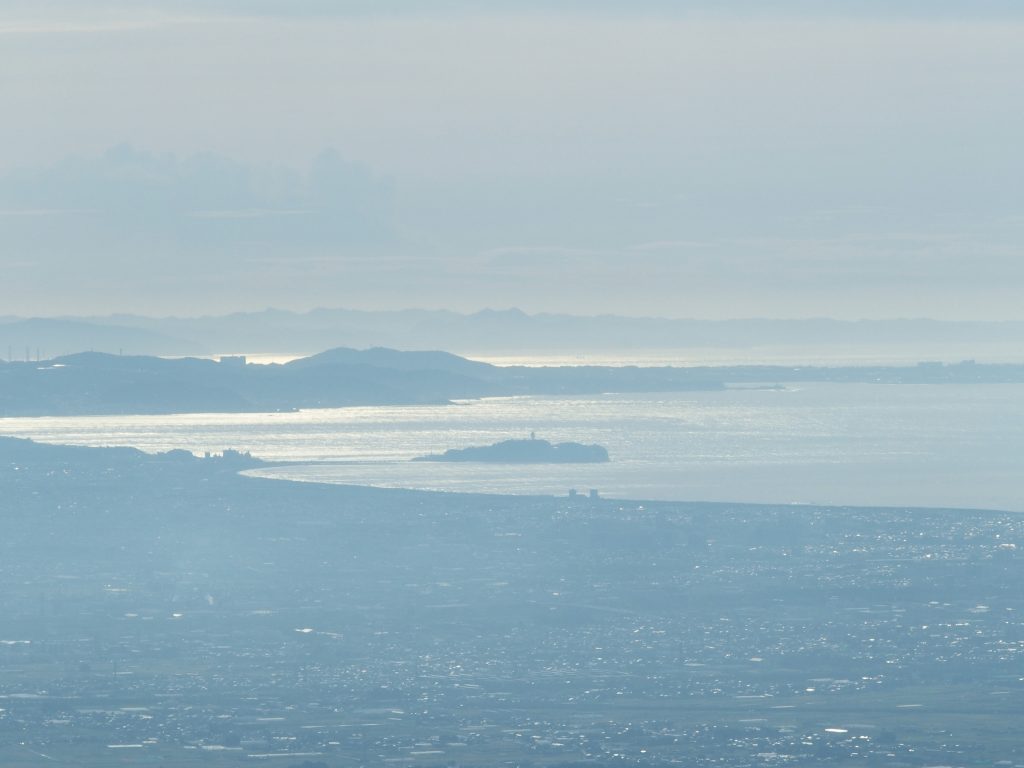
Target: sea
[{"x": 954, "y": 446}]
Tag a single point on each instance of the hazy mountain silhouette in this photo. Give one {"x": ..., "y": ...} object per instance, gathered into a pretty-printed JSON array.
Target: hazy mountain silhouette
[
  {"x": 492, "y": 331},
  {"x": 52, "y": 336}
]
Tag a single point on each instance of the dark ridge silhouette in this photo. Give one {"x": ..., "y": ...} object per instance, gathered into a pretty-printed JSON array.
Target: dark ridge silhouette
[
  {"x": 19, "y": 452},
  {"x": 99, "y": 383}
]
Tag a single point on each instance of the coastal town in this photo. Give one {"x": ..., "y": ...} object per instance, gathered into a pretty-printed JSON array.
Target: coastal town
[{"x": 185, "y": 615}]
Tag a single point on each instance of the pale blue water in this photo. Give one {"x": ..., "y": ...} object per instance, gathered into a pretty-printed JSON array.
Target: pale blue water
[{"x": 948, "y": 445}]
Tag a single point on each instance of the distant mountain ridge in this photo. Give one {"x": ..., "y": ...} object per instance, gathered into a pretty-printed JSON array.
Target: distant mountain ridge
[
  {"x": 496, "y": 331},
  {"x": 25, "y": 338}
]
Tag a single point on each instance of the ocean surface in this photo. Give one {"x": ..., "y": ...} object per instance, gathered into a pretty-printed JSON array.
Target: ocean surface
[{"x": 841, "y": 444}]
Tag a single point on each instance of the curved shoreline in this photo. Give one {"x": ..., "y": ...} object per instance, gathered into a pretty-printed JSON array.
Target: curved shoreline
[{"x": 264, "y": 473}]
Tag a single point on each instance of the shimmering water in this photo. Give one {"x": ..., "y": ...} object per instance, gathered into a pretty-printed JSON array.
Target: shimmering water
[{"x": 945, "y": 445}]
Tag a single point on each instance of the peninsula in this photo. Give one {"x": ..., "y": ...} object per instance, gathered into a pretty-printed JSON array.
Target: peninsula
[
  {"x": 92, "y": 383},
  {"x": 532, "y": 451}
]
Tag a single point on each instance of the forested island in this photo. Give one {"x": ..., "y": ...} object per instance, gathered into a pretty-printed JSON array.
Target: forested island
[{"x": 532, "y": 451}]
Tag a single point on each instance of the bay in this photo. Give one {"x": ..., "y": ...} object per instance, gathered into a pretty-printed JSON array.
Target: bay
[{"x": 836, "y": 444}]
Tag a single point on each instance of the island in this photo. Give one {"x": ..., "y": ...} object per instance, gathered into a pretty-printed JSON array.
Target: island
[{"x": 531, "y": 451}]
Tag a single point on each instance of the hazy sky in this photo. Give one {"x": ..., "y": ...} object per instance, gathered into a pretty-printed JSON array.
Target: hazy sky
[{"x": 690, "y": 159}]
